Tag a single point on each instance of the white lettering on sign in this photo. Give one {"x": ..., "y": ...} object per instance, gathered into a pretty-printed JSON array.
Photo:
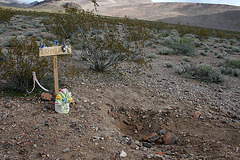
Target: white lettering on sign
[{"x": 54, "y": 51}]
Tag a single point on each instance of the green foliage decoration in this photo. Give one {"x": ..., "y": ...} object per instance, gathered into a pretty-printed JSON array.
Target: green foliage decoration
[{"x": 18, "y": 63}]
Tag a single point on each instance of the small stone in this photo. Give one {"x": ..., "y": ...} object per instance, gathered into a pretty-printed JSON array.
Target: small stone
[
  {"x": 6, "y": 145},
  {"x": 133, "y": 146},
  {"x": 170, "y": 138},
  {"x": 139, "y": 128},
  {"x": 147, "y": 144},
  {"x": 154, "y": 139},
  {"x": 137, "y": 143},
  {"x": 46, "y": 97},
  {"x": 184, "y": 156},
  {"x": 160, "y": 153},
  {"x": 123, "y": 154},
  {"x": 220, "y": 90},
  {"x": 197, "y": 114},
  {"x": 147, "y": 138},
  {"x": 162, "y": 132},
  {"x": 160, "y": 141},
  {"x": 85, "y": 101},
  {"x": 96, "y": 138},
  {"x": 66, "y": 150}
]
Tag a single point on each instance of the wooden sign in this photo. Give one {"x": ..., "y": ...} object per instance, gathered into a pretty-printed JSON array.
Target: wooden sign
[{"x": 55, "y": 51}]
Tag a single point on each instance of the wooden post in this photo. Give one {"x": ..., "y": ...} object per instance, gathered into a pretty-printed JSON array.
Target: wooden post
[
  {"x": 54, "y": 51},
  {"x": 55, "y": 73}
]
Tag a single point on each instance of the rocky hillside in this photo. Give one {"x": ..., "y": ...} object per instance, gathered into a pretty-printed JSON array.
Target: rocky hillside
[
  {"x": 224, "y": 17},
  {"x": 205, "y": 15}
]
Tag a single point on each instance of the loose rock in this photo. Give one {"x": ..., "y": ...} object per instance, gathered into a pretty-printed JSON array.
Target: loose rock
[
  {"x": 66, "y": 150},
  {"x": 170, "y": 138},
  {"x": 123, "y": 154}
]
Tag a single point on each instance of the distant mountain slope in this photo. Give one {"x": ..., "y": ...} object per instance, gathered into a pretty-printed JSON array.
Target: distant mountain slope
[
  {"x": 205, "y": 15},
  {"x": 225, "y": 20},
  {"x": 16, "y": 4},
  {"x": 9, "y": 1}
]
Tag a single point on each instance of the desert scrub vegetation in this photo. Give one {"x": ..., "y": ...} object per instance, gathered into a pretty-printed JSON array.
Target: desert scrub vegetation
[
  {"x": 152, "y": 56},
  {"x": 202, "y": 72},
  {"x": 3, "y": 28},
  {"x": 186, "y": 59},
  {"x": 184, "y": 46},
  {"x": 168, "y": 65},
  {"x": 165, "y": 51},
  {"x": 19, "y": 61},
  {"x": 231, "y": 67},
  {"x": 103, "y": 45},
  {"x": 6, "y": 15}
]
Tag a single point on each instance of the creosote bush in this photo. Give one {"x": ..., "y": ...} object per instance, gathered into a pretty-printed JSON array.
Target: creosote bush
[
  {"x": 201, "y": 72},
  {"x": 184, "y": 46},
  {"x": 19, "y": 61},
  {"x": 102, "y": 44},
  {"x": 6, "y": 15},
  {"x": 231, "y": 67},
  {"x": 168, "y": 65}
]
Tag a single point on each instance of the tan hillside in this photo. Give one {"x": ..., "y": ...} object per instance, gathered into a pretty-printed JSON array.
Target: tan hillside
[{"x": 224, "y": 17}]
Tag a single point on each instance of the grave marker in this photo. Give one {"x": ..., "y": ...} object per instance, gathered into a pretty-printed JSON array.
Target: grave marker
[{"x": 55, "y": 51}]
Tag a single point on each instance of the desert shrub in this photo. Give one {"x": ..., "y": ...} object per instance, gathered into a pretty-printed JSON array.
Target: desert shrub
[
  {"x": 204, "y": 54},
  {"x": 236, "y": 72},
  {"x": 230, "y": 71},
  {"x": 235, "y": 49},
  {"x": 235, "y": 64},
  {"x": 16, "y": 28},
  {"x": 231, "y": 67},
  {"x": 16, "y": 33},
  {"x": 154, "y": 46},
  {"x": 5, "y": 15},
  {"x": 220, "y": 56},
  {"x": 183, "y": 46},
  {"x": 165, "y": 34},
  {"x": 201, "y": 72},
  {"x": 149, "y": 44},
  {"x": 7, "y": 42},
  {"x": 168, "y": 65},
  {"x": 19, "y": 61},
  {"x": 186, "y": 59},
  {"x": 152, "y": 56},
  {"x": 30, "y": 33},
  {"x": 197, "y": 44},
  {"x": 103, "y": 46},
  {"x": 165, "y": 51},
  {"x": 2, "y": 28}
]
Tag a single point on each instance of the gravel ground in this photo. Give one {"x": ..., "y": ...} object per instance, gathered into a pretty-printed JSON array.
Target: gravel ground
[{"x": 157, "y": 114}]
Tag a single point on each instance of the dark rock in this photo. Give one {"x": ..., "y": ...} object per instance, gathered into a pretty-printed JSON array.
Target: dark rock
[
  {"x": 153, "y": 139},
  {"x": 148, "y": 145},
  {"x": 6, "y": 145},
  {"x": 162, "y": 132}
]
